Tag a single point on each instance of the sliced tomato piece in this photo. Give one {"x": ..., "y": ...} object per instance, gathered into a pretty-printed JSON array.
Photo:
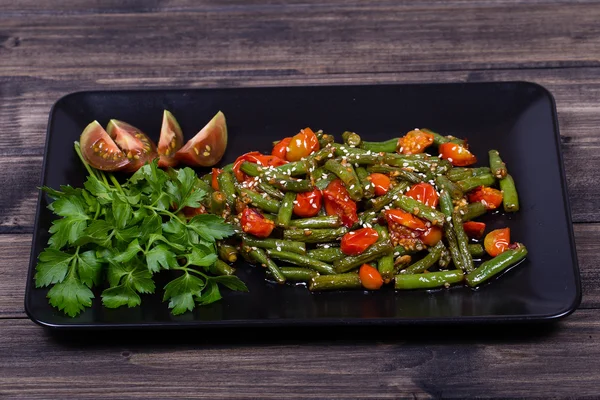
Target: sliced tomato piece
[
  {"x": 497, "y": 241},
  {"x": 214, "y": 183},
  {"x": 308, "y": 204},
  {"x": 136, "y": 145},
  {"x": 381, "y": 182},
  {"x": 302, "y": 144},
  {"x": 338, "y": 202},
  {"x": 425, "y": 193},
  {"x": 170, "y": 140},
  {"x": 458, "y": 155},
  {"x": 490, "y": 197},
  {"x": 474, "y": 229},
  {"x": 356, "y": 242},
  {"x": 255, "y": 223},
  {"x": 406, "y": 219},
  {"x": 370, "y": 278},
  {"x": 208, "y": 146},
  {"x": 280, "y": 149},
  {"x": 256, "y": 158},
  {"x": 99, "y": 150},
  {"x": 431, "y": 236},
  {"x": 191, "y": 212},
  {"x": 414, "y": 142}
]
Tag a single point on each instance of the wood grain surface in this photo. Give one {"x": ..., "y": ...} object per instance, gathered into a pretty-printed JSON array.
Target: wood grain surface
[{"x": 52, "y": 48}]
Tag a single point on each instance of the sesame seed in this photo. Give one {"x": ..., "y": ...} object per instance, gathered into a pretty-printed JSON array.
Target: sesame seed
[{"x": 278, "y": 248}]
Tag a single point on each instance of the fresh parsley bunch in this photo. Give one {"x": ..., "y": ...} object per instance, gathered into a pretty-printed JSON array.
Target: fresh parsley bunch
[{"x": 123, "y": 234}]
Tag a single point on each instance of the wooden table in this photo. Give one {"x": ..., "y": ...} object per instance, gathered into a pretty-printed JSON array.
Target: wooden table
[{"x": 51, "y": 48}]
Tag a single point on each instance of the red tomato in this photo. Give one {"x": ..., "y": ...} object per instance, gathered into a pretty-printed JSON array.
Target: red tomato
[
  {"x": 302, "y": 144},
  {"x": 338, "y": 202},
  {"x": 425, "y": 193},
  {"x": 431, "y": 236},
  {"x": 370, "y": 277},
  {"x": 405, "y": 219},
  {"x": 356, "y": 242},
  {"x": 490, "y": 197},
  {"x": 256, "y": 224},
  {"x": 414, "y": 142},
  {"x": 256, "y": 158},
  {"x": 458, "y": 155},
  {"x": 308, "y": 204},
  {"x": 474, "y": 229},
  {"x": 190, "y": 212},
  {"x": 133, "y": 142},
  {"x": 208, "y": 146},
  {"x": 215, "y": 174},
  {"x": 280, "y": 149},
  {"x": 100, "y": 151},
  {"x": 381, "y": 183},
  {"x": 170, "y": 140},
  {"x": 497, "y": 241}
]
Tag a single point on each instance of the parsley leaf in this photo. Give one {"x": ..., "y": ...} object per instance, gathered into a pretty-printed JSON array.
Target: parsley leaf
[
  {"x": 181, "y": 291},
  {"x": 119, "y": 296},
  {"x": 210, "y": 227},
  {"x": 52, "y": 267},
  {"x": 70, "y": 296}
]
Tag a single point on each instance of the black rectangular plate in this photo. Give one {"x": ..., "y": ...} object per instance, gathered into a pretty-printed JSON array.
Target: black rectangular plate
[{"x": 517, "y": 118}]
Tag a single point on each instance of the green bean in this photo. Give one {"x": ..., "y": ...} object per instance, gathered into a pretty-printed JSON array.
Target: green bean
[
  {"x": 228, "y": 168},
  {"x": 322, "y": 178},
  {"x": 284, "y": 216},
  {"x": 455, "y": 253},
  {"x": 288, "y": 184},
  {"x": 372, "y": 253},
  {"x": 510, "y": 197},
  {"x": 386, "y": 267},
  {"x": 259, "y": 256},
  {"x": 472, "y": 210},
  {"x": 251, "y": 169},
  {"x": 302, "y": 261},
  {"x": 298, "y": 274},
  {"x": 217, "y": 203},
  {"x": 471, "y": 183},
  {"x": 496, "y": 265},
  {"x": 382, "y": 232},
  {"x": 257, "y": 200},
  {"x": 366, "y": 217},
  {"x": 347, "y": 174},
  {"x": 295, "y": 168},
  {"x": 325, "y": 140},
  {"x": 476, "y": 250},
  {"x": 319, "y": 222},
  {"x": 227, "y": 252},
  {"x": 363, "y": 159},
  {"x": 314, "y": 235},
  {"x": 329, "y": 255},
  {"x": 439, "y": 139},
  {"x": 351, "y": 138},
  {"x": 426, "y": 262},
  {"x": 206, "y": 179},
  {"x": 445, "y": 258},
  {"x": 388, "y": 146},
  {"x": 443, "y": 183},
  {"x": 270, "y": 190},
  {"x": 368, "y": 187},
  {"x": 323, "y": 154},
  {"x": 220, "y": 267},
  {"x": 497, "y": 166},
  {"x": 419, "y": 209},
  {"x": 343, "y": 150},
  {"x": 227, "y": 187},
  {"x": 349, "y": 280},
  {"x": 409, "y": 176},
  {"x": 271, "y": 243},
  {"x": 463, "y": 241},
  {"x": 378, "y": 203},
  {"x": 429, "y": 280},
  {"x": 446, "y": 205},
  {"x": 420, "y": 165},
  {"x": 460, "y": 173}
]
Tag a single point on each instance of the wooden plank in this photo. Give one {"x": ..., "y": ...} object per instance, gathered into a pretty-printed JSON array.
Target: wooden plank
[{"x": 543, "y": 361}]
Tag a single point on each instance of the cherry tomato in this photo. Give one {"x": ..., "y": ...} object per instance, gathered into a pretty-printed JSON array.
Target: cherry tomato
[
  {"x": 280, "y": 149},
  {"x": 490, "y": 197},
  {"x": 100, "y": 151},
  {"x": 405, "y": 219},
  {"x": 370, "y": 277},
  {"x": 458, "y": 155},
  {"x": 497, "y": 241},
  {"x": 208, "y": 146},
  {"x": 302, "y": 144},
  {"x": 431, "y": 236},
  {"x": 338, "y": 202},
  {"x": 191, "y": 212},
  {"x": 425, "y": 193},
  {"x": 308, "y": 204},
  {"x": 133, "y": 142},
  {"x": 381, "y": 183},
  {"x": 414, "y": 142},
  {"x": 170, "y": 140},
  {"x": 356, "y": 242},
  {"x": 215, "y": 174},
  {"x": 474, "y": 229},
  {"x": 256, "y": 158},
  {"x": 255, "y": 223}
]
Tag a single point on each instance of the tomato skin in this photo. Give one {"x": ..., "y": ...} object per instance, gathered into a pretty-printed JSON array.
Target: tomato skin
[
  {"x": 356, "y": 242},
  {"x": 414, "y": 142},
  {"x": 458, "y": 155},
  {"x": 381, "y": 182},
  {"x": 302, "y": 144},
  {"x": 256, "y": 158},
  {"x": 474, "y": 229},
  {"x": 431, "y": 236},
  {"x": 490, "y": 197},
  {"x": 255, "y": 223},
  {"x": 133, "y": 142},
  {"x": 337, "y": 201},
  {"x": 405, "y": 219},
  {"x": 100, "y": 151},
  {"x": 497, "y": 241},
  {"x": 308, "y": 204},
  {"x": 370, "y": 277},
  {"x": 280, "y": 149},
  {"x": 170, "y": 141},
  {"x": 425, "y": 193},
  {"x": 208, "y": 146},
  {"x": 215, "y": 174}
]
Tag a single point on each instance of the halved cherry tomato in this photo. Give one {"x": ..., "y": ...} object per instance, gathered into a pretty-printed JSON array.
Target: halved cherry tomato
[
  {"x": 208, "y": 146},
  {"x": 414, "y": 142},
  {"x": 255, "y": 223},
  {"x": 280, "y": 149},
  {"x": 458, "y": 155},
  {"x": 474, "y": 229},
  {"x": 370, "y": 277},
  {"x": 425, "y": 193},
  {"x": 170, "y": 140},
  {"x": 302, "y": 144},
  {"x": 99, "y": 150},
  {"x": 256, "y": 158},
  {"x": 497, "y": 241},
  {"x": 338, "y": 202},
  {"x": 215, "y": 174},
  {"x": 381, "y": 182},
  {"x": 431, "y": 236},
  {"x": 191, "y": 212},
  {"x": 405, "y": 219},
  {"x": 133, "y": 142},
  {"x": 356, "y": 242},
  {"x": 490, "y": 197},
  {"x": 308, "y": 204}
]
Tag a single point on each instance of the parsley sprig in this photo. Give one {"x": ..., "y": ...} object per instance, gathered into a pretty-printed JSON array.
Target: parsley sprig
[{"x": 119, "y": 235}]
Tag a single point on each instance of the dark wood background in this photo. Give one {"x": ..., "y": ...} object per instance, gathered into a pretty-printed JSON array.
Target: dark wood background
[{"x": 51, "y": 48}]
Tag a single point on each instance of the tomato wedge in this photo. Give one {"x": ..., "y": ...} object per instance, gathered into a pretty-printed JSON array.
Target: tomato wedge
[
  {"x": 302, "y": 144},
  {"x": 458, "y": 155},
  {"x": 338, "y": 202},
  {"x": 99, "y": 150},
  {"x": 170, "y": 140},
  {"x": 431, "y": 236},
  {"x": 280, "y": 149},
  {"x": 381, "y": 182},
  {"x": 136, "y": 145},
  {"x": 356, "y": 242},
  {"x": 497, "y": 241},
  {"x": 405, "y": 219},
  {"x": 370, "y": 278},
  {"x": 425, "y": 193},
  {"x": 256, "y": 158},
  {"x": 208, "y": 146},
  {"x": 308, "y": 204},
  {"x": 255, "y": 223},
  {"x": 490, "y": 197},
  {"x": 474, "y": 229},
  {"x": 414, "y": 142}
]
